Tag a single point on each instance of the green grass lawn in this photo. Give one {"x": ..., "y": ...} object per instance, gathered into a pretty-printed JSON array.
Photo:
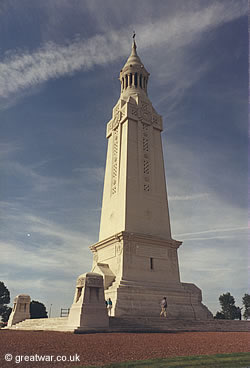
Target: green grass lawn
[{"x": 235, "y": 360}]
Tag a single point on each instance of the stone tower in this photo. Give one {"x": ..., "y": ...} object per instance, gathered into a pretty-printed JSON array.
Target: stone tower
[{"x": 135, "y": 253}]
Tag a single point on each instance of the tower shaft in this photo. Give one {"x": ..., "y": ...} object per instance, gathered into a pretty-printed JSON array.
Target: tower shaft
[{"x": 134, "y": 195}]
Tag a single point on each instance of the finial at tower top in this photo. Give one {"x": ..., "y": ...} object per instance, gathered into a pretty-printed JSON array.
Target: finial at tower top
[
  {"x": 134, "y": 44},
  {"x": 133, "y": 75}
]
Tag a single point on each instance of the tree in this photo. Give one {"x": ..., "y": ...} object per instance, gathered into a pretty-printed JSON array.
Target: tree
[
  {"x": 4, "y": 299},
  {"x": 228, "y": 307},
  {"x": 219, "y": 315},
  {"x": 4, "y": 294},
  {"x": 229, "y": 310},
  {"x": 246, "y": 303},
  {"x": 37, "y": 310},
  {"x": 6, "y": 313}
]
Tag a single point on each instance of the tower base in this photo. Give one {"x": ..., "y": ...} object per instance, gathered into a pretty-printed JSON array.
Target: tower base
[
  {"x": 139, "y": 270},
  {"x": 131, "y": 299}
]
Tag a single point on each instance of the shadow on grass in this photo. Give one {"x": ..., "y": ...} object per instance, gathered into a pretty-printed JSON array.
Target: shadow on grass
[{"x": 235, "y": 360}]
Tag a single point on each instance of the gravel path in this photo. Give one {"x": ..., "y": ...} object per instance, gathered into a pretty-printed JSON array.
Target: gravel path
[{"x": 98, "y": 349}]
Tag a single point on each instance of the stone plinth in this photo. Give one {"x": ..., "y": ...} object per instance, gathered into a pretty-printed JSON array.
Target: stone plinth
[
  {"x": 146, "y": 269},
  {"x": 143, "y": 299},
  {"x": 21, "y": 309},
  {"x": 88, "y": 310}
]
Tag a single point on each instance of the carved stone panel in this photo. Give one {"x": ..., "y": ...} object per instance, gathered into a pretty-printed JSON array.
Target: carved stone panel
[
  {"x": 94, "y": 281},
  {"x": 157, "y": 121},
  {"x": 115, "y": 152},
  {"x": 132, "y": 111},
  {"x": 146, "y": 156},
  {"x": 106, "y": 253},
  {"x": 109, "y": 128},
  {"x": 146, "y": 112}
]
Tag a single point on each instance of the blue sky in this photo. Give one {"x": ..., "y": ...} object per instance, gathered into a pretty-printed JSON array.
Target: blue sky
[{"x": 59, "y": 67}]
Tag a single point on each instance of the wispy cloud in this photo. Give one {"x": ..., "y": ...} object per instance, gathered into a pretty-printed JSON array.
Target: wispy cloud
[
  {"x": 20, "y": 70},
  {"x": 7, "y": 149},
  {"x": 94, "y": 174},
  {"x": 40, "y": 183},
  {"x": 218, "y": 230},
  {"x": 48, "y": 246},
  {"x": 189, "y": 197},
  {"x": 217, "y": 237}
]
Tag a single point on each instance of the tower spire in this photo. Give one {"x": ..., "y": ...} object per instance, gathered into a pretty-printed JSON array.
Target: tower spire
[{"x": 133, "y": 76}]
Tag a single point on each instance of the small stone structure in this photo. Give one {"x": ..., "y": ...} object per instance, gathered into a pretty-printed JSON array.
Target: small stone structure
[
  {"x": 88, "y": 310},
  {"x": 21, "y": 309}
]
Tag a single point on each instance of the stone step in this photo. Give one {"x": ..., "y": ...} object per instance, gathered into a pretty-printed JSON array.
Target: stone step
[
  {"x": 168, "y": 324},
  {"x": 139, "y": 324},
  {"x": 42, "y": 323}
]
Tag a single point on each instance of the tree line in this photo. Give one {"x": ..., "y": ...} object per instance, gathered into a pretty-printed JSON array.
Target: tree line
[{"x": 230, "y": 311}]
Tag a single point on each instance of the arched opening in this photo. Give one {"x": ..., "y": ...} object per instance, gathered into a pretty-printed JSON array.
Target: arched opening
[
  {"x": 126, "y": 81},
  {"x": 136, "y": 80},
  {"x": 130, "y": 80},
  {"x": 79, "y": 293},
  {"x": 140, "y": 80}
]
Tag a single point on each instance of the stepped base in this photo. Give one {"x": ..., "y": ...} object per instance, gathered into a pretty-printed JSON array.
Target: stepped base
[
  {"x": 138, "y": 299},
  {"x": 138, "y": 324},
  {"x": 161, "y": 324}
]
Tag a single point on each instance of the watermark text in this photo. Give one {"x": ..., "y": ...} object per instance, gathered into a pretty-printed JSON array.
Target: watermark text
[{"x": 41, "y": 358}]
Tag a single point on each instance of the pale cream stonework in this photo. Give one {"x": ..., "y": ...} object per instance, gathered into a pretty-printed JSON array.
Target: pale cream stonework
[
  {"x": 21, "y": 309},
  {"x": 88, "y": 310},
  {"x": 135, "y": 253}
]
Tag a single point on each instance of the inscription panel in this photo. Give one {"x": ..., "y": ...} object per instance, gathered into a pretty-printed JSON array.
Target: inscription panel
[{"x": 151, "y": 251}]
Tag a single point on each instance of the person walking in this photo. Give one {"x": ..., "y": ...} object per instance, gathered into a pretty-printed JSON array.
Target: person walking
[
  {"x": 239, "y": 312},
  {"x": 109, "y": 306},
  {"x": 164, "y": 306}
]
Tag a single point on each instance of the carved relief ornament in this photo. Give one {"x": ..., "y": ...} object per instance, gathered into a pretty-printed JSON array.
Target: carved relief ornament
[
  {"x": 119, "y": 249},
  {"x": 80, "y": 281}
]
